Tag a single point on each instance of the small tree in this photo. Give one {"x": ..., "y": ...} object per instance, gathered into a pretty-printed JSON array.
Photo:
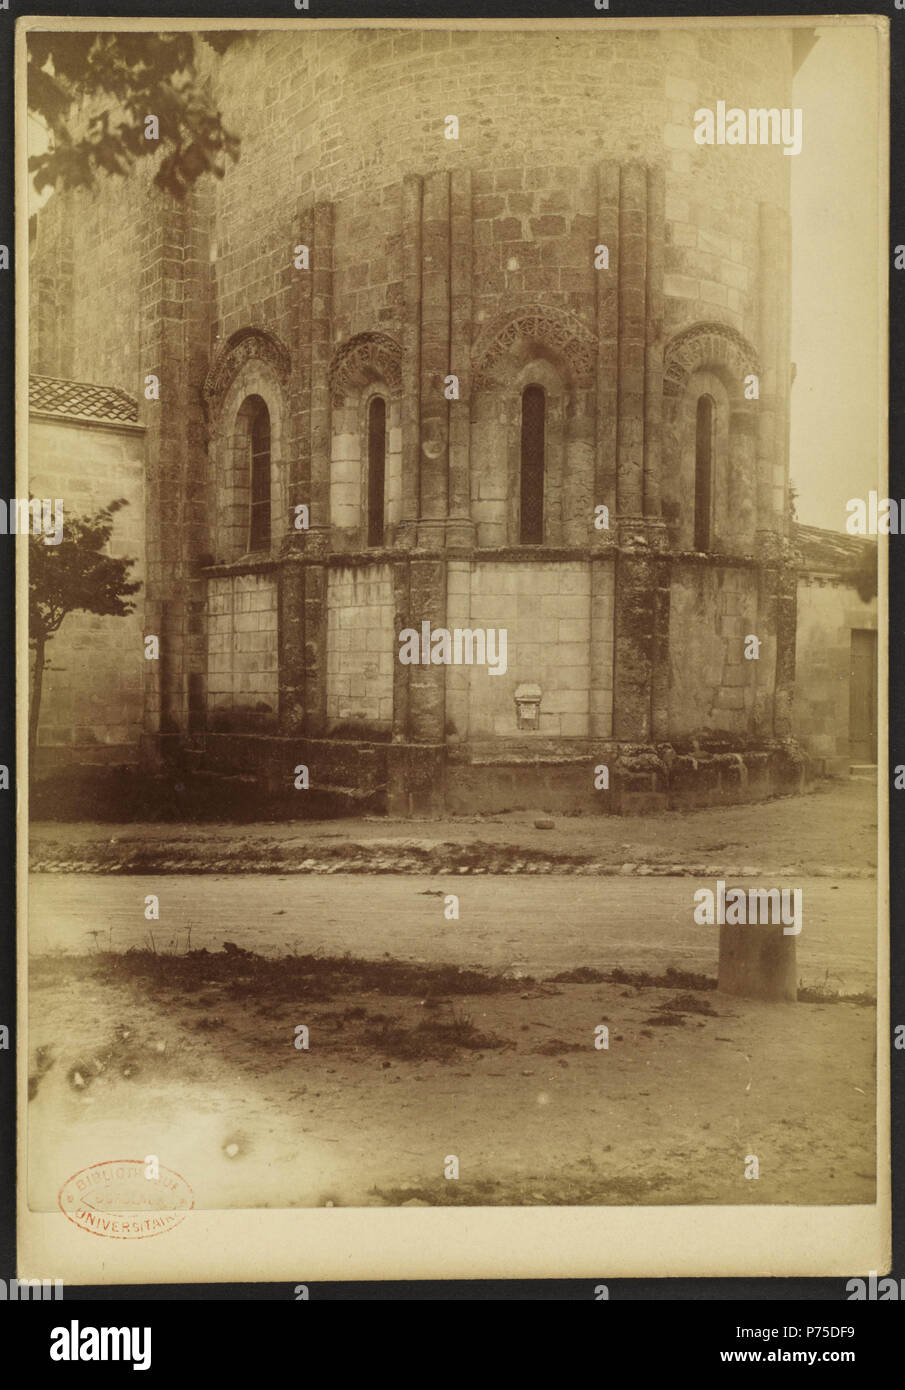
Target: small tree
[
  {"x": 70, "y": 577},
  {"x": 125, "y": 77}
]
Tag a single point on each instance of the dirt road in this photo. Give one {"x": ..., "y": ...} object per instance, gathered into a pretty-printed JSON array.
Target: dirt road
[{"x": 504, "y": 922}]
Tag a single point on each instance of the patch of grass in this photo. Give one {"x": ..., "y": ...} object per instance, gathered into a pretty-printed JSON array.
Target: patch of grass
[
  {"x": 688, "y": 1004},
  {"x": 823, "y": 994},
  {"x": 245, "y": 974},
  {"x": 671, "y": 979},
  {"x": 552, "y": 1190},
  {"x": 434, "y": 1038},
  {"x": 640, "y": 979},
  {"x": 667, "y": 1020},
  {"x": 581, "y": 975}
]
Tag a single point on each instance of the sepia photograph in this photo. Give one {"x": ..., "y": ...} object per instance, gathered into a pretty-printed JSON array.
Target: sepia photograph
[{"x": 452, "y": 655}]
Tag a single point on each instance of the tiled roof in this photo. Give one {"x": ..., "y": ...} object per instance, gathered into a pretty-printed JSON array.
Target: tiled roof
[
  {"x": 831, "y": 550},
  {"x": 80, "y": 400}
]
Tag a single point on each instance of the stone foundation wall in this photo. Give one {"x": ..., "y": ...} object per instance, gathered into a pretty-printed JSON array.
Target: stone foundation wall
[
  {"x": 357, "y": 769},
  {"x": 546, "y": 610},
  {"x": 361, "y": 646},
  {"x": 712, "y": 686},
  {"x": 641, "y": 780},
  {"x": 242, "y": 669}
]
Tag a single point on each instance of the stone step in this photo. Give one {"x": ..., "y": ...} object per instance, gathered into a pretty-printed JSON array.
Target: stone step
[{"x": 863, "y": 772}]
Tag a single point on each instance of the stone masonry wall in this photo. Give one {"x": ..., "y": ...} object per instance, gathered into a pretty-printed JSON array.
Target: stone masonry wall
[
  {"x": 85, "y": 275},
  {"x": 361, "y": 645},
  {"x": 712, "y": 687},
  {"x": 828, "y": 610},
  {"x": 435, "y": 244},
  {"x": 712, "y": 255},
  {"x": 242, "y": 672},
  {"x": 91, "y": 708},
  {"x": 345, "y": 115},
  {"x": 546, "y": 610}
]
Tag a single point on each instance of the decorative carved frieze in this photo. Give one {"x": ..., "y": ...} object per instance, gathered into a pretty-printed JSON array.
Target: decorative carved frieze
[
  {"x": 248, "y": 344},
  {"x": 365, "y": 358},
  {"x": 554, "y": 328},
  {"x": 707, "y": 345}
]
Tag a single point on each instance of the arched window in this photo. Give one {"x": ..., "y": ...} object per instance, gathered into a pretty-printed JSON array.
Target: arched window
[
  {"x": 377, "y": 456},
  {"x": 703, "y": 473},
  {"x": 259, "y": 435},
  {"x": 531, "y": 510}
]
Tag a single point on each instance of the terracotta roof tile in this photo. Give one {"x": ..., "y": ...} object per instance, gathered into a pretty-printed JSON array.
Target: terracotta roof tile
[
  {"x": 80, "y": 400},
  {"x": 831, "y": 550}
]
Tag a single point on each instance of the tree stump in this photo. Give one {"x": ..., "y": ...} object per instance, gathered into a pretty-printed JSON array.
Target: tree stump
[{"x": 758, "y": 962}]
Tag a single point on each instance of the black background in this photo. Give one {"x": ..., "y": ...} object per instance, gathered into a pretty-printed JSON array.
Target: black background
[{"x": 676, "y": 1325}]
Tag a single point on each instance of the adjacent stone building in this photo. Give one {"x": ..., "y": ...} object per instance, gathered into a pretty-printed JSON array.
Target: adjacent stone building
[
  {"x": 87, "y": 448},
  {"x": 528, "y": 370},
  {"x": 836, "y": 684}
]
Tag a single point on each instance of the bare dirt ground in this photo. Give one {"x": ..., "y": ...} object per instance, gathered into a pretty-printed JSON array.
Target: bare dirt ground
[
  {"x": 832, "y": 829},
  {"x": 536, "y": 924},
  {"x": 158, "y": 1047},
  {"x": 193, "y": 1058}
]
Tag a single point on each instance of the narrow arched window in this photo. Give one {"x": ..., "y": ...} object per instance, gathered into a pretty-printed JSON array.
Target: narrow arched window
[
  {"x": 259, "y": 434},
  {"x": 377, "y": 465},
  {"x": 531, "y": 509},
  {"x": 703, "y": 473}
]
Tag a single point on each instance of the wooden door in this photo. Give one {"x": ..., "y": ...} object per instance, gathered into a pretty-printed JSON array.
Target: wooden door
[{"x": 862, "y": 720}]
